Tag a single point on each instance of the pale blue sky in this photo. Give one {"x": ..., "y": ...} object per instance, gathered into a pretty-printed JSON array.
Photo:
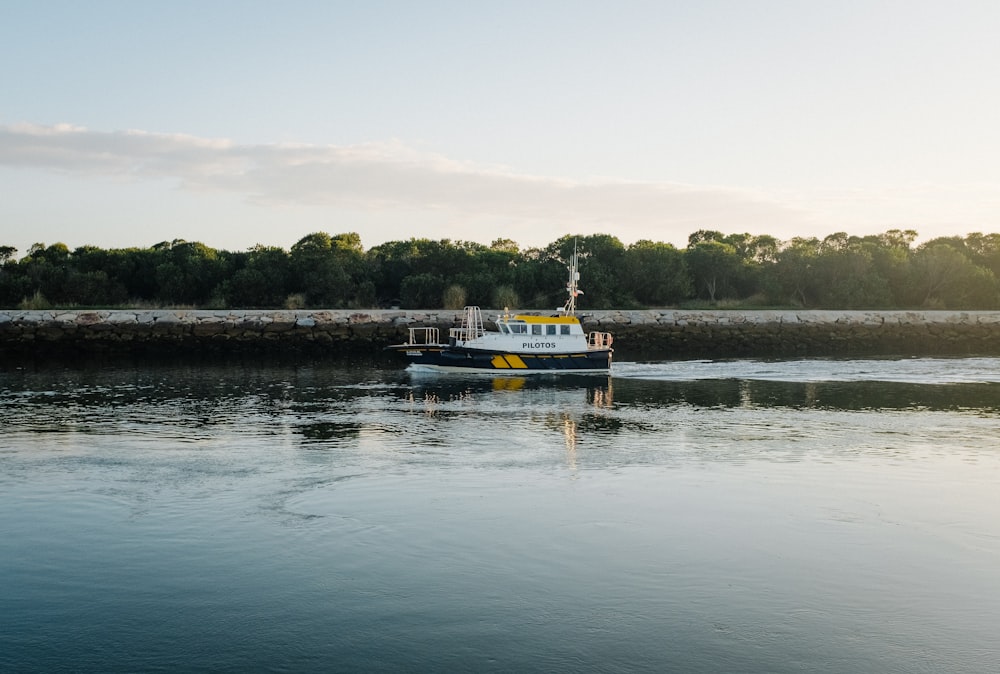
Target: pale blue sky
[{"x": 236, "y": 123}]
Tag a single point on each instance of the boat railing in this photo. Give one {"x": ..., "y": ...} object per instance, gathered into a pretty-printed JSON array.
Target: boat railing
[
  {"x": 599, "y": 340},
  {"x": 472, "y": 325},
  {"x": 424, "y": 336}
]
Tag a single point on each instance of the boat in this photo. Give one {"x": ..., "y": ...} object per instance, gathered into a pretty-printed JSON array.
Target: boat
[{"x": 522, "y": 343}]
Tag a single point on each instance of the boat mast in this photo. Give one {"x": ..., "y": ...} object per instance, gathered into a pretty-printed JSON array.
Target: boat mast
[{"x": 571, "y": 287}]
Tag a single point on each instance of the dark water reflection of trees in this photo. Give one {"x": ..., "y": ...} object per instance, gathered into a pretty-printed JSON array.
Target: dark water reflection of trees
[{"x": 859, "y": 395}]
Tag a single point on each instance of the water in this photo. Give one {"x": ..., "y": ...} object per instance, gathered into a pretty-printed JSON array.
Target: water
[{"x": 751, "y": 516}]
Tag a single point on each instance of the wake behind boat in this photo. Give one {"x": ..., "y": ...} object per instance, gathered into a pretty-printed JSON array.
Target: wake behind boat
[{"x": 521, "y": 344}]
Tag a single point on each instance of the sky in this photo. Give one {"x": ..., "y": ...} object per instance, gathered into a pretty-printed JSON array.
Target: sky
[{"x": 238, "y": 123}]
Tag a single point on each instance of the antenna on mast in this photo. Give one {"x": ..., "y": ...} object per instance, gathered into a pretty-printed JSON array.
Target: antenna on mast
[{"x": 571, "y": 287}]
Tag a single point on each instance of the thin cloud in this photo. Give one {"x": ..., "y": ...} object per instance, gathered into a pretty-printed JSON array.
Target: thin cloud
[{"x": 390, "y": 176}]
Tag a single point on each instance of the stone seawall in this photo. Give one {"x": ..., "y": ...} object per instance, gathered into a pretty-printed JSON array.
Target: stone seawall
[{"x": 637, "y": 333}]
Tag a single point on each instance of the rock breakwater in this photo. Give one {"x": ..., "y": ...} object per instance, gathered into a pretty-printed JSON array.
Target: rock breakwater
[{"x": 654, "y": 333}]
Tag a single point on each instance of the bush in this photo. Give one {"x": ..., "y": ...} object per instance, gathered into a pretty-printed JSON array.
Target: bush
[
  {"x": 505, "y": 297},
  {"x": 295, "y": 301},
  {"x": 453, "y": 297},
  {"x": 35, "y": 302}
]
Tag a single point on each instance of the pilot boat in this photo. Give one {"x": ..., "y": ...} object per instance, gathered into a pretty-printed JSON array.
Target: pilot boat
[{"x": 522, "y": 343}]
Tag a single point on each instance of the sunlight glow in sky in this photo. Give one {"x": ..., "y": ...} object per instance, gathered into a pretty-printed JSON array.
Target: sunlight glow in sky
[{"x": 243, "y": 122}]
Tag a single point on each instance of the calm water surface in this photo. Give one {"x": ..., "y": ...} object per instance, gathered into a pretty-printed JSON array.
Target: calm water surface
[{"x": 742, "y": 516}]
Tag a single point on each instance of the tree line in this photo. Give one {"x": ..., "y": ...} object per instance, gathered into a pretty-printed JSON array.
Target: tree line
[{"x": 885, "y": 270}]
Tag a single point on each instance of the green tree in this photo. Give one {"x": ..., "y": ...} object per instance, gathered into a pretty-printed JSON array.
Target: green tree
[
  {"x": 745, "y": 275},
  {"x": 189, "y": 273},
  {"x": 713, "y": 265},
  {"x": 505, "y": 246},
  {"x": 984, "y": 250},
  {"x": 322, "y": 266},
  {"x": 94, "y": 278},
  {"x": 704, "y": 236},
  {"x": 755, "y": 253},
  {"x": 794, "y": 271},
  {"x": 389, "y": 264},
  {"x": 46, "y": 272},
  {"x": 422, "y": 291},
  {"x": 488, "y": 269},
  {"x": 891, "y": 254},
  {"x": 393, "y": 262},
  {"x": 601, "y": 257},
  {"x": 656, "y": 273},
  {"x": 263, "y": 281},
  {"x": 539, "y": 280},
  {"x": 13, "y": 282},
  {"x": 944, "y": 277},
  {"x": 847, "y": 279}
]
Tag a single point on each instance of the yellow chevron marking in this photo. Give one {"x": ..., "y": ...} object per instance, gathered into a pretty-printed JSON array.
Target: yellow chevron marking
[
  {"x": 500, "y": 363},
  {"x": 515, "y": 362},
  {"x": 508, "y": 383}
]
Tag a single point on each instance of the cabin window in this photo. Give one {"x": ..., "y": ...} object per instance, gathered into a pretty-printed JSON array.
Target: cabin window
[
  {"x": 536, "y": 329},
  {"x": 503, "y": 328},
  {"x": 550, "y": 329},
  {"x": 564, "y": 329},
  {"x": 518, "y": 328}
]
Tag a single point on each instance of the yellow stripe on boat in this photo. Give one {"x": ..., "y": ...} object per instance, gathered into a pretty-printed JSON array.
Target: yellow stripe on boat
[
  {"x": 516, "y": 362},
  {"x": 500, "y": 363}
]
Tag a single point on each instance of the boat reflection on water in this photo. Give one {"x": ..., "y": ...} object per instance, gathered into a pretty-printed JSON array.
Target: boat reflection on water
[
  {"x": 595, "y": 390},
  {"x": 621, "y": 392},
  {"x": 573, "y": 405}
]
